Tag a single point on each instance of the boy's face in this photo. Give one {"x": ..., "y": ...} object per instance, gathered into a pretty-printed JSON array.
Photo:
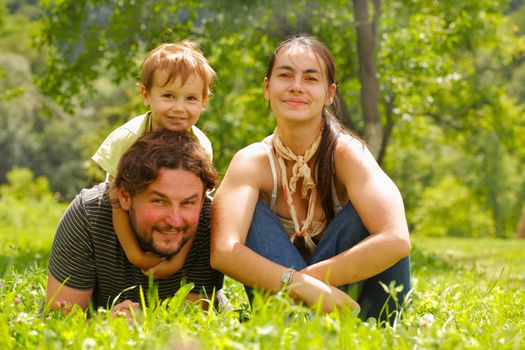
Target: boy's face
[{"x": 174, "y": 106}]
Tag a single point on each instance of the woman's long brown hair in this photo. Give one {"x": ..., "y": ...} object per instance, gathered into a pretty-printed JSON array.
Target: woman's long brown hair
[{"x": 324, "y": 158}]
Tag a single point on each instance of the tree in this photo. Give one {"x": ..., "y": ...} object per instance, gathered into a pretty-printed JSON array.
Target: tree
[
  {"x": 34, "y": 132},
  {"x": 366, "y": 39},
  {"x": 97, "y": 37},
  {"x": 520, "y": 231},
  {"x": 427, "y": 64}
]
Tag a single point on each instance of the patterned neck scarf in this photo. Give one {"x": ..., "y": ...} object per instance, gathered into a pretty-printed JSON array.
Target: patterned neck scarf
[{"x": 299, "y": 169}]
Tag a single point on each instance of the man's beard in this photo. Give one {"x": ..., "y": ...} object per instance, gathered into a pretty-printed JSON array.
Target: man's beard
[{"x": 148, "y": 244}]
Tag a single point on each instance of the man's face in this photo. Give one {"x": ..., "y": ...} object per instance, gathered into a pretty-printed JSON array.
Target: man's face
[{"x": 165, "y": 215}]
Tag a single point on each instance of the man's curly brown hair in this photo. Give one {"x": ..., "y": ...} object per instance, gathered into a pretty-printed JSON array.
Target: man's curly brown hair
[{"x": 155, "y": 150}]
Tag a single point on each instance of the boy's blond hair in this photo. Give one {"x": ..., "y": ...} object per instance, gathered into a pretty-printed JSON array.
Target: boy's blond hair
[{"x": 180, "y": 59}]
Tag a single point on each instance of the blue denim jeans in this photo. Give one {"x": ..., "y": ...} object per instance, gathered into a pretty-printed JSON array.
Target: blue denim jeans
[{"x": 268, "y": 238}]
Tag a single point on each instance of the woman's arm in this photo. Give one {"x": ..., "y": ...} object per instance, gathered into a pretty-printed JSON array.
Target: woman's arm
[
  {"x": 232, "y": 210},
  {"x": 379, "y": 204}
]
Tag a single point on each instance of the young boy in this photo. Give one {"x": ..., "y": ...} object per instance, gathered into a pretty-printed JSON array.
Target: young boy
[{"x": 174, "y": 85}]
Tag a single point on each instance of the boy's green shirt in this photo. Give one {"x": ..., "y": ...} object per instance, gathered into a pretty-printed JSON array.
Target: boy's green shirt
[{"x": 120, "y": 140}]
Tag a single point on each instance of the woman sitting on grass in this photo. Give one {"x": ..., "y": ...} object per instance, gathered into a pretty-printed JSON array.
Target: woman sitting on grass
[{"x": 309, "y": 207}]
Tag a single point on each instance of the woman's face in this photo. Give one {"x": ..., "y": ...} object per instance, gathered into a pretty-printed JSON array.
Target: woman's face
[{"x": 297, "y": 88}]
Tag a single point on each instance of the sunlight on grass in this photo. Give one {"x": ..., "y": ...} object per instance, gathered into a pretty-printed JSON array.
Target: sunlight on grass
[{"x": 468, "y": 294}]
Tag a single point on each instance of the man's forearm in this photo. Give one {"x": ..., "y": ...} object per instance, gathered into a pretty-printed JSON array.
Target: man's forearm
[{"x": 59, "y": 296}]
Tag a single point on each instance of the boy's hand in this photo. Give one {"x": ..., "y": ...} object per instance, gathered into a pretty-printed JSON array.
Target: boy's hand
[
  {"x": 147, "y": 261},
  {"x": 164, "y": 269}
]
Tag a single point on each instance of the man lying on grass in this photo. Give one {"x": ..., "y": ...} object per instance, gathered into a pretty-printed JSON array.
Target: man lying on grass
[{"x": 162, "y": 182}]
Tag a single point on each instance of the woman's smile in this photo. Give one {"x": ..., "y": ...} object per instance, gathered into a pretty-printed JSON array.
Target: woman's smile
[{"x": 295, "y": 101}]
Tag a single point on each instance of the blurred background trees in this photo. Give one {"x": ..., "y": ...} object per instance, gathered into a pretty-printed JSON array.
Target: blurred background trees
[{"x": 443, "y": 108}]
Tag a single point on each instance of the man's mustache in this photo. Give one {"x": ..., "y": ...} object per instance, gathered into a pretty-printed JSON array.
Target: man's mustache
[{"x": 174, "y": 229}]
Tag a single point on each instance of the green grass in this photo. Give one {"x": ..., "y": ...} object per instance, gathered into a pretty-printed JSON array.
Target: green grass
[{"x": 469, "y": 294}]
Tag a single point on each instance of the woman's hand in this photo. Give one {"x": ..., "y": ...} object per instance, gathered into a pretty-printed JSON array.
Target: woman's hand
[{"x": 311, "y": 290}]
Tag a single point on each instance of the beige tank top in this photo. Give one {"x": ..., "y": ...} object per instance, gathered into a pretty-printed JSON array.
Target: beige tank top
[{"x": 288, "y": 223}]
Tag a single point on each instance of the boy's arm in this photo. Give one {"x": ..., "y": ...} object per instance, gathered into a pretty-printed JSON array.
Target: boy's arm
[
  {"x": 130, "y": 245},
  {"x": 138, "y": 257},
  {"x": 171, "y": 266}
]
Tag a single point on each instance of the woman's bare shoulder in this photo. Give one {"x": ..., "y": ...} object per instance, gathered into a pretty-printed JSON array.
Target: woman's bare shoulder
[
  {"x": 247, "y": 169},
  {"x": 351, "y": 148},
  {"x": 251, "y": 153},
  {"x": 249, "y": 161}
]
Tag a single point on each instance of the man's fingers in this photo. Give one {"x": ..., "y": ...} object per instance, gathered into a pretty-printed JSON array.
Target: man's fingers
[{"x": 124, "y": 309}]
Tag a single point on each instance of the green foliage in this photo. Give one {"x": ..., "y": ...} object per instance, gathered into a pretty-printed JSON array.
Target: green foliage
[
  {"x": 455, "y": 117},
  {"x": 500, "y": 181},
  {"x": 102, "y": 38},
  {"x": 51, "y": 147},
  {"x": 449, "y": 80},
  {"x": 516, "y": 86},
  {"x": 28, "y": 210},
  {"x": 21, "y": 186},
  {"x": 442, "y": 183},
  {"x": 34, "y": 132},
  {"x": 450, "y": 209}
]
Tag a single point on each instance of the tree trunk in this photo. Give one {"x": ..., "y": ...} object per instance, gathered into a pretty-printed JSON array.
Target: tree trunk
[
  {"x": 368, "y": 74},
  {"x": 496, "y": 215},
  {"x": 520, "y": 232},
  {"x": 344, "y": 115}
]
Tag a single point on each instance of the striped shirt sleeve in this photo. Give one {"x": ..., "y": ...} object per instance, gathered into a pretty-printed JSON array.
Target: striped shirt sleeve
[{"x": 72, "y": 256}]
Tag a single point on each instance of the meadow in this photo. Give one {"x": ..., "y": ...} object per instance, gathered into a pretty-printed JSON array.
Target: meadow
[{"x": 468, "y": 294}]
